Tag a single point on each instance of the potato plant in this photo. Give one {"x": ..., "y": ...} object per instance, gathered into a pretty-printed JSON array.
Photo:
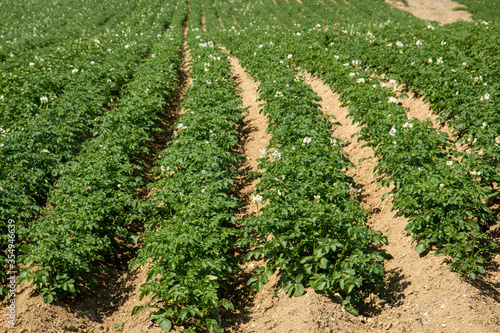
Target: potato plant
[
  {"x": 96, "y": 198},
  {"x": 190, "y": 236}
]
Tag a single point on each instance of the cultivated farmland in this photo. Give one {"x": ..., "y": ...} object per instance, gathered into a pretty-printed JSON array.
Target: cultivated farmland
[{"x": 249, "y": 166}]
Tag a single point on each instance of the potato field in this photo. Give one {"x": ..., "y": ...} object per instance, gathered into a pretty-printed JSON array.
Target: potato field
[{"x": 250, "y": 166}]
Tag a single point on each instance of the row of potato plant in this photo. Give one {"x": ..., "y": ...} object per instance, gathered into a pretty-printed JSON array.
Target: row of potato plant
[
  {"x": 443, "y": 202},
  {"x": 190, "y": 235},
  {"x": 47, "y": 118},
  {"x": 482, "y": 10},
  {"x": 96, "y": 198},
  {"x": 45, "y": 72},
  {"x": 36, "y": 24},
  {"x": 312, "y": 230},
  {"x": 381, "y": 38},
  {"x": 453, "y": 66},
  {"x": 48, "y": 112}
]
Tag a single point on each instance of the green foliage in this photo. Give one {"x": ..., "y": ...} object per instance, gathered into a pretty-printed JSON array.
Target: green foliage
[
  {"x": 189, "y": 238},
  {"x": 96, "y": 196},
  {"x": 482, "y": 9},
  {"x": 80, "y": 93},
  {"x": 436, "y": 187},
  {"x": 312, "y": 230}
]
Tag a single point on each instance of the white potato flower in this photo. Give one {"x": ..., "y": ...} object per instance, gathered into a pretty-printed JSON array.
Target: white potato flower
[
  {"x": 393, "y": 131},
  {"x": 257, "y": 198}
]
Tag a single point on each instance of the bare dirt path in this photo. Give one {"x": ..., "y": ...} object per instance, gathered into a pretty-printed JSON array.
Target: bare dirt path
[
  {"x": 442, "y": 11},
  {"x": 220, "y": 21},
  {"x": 422, "y": 294},
  {"x": 253, "y": 138},
  {"x": 311, "y": 312},
  {"x": 421, "y": 111},
  {"x": 203, "y": 22}
]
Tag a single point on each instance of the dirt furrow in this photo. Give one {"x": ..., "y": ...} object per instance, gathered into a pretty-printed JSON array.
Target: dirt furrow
[
  {"x": 203, "y": 22},
  {"x": 421, "y": 110},
  {"x": 253, "y": 138},
  {"x": 132, "y": 280},
  {"x": 220, "y": 21},
  {"x": 421, "y": 295},
  {"x": 262, "y": 312}
]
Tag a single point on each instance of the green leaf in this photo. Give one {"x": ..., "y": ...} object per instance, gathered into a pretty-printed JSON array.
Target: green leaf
[
  {"x": 351, "y": 309},
  {"x": 165, "y": 324},
  {"x": 299, "y": 290},
  {"x": 48, "y": 298},
  {"x": 211, "y": 277},
  {"x": 183, "y": 313},
  {"x": 323, "y": 263},
  {"x": 420, "y": 247},
  {"x": 134, "y": 238},
  {"x": 161, "y": 321},
  {"x": 136, "y": 309}
]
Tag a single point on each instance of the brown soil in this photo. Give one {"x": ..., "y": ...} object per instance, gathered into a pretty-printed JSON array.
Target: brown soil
[
  {"x": 348, "y": 3},
  {"x": 253, "y": 137},
  {"x": 311, "y": 312},
  {"x": 235, "y": 21},
  {"x": 422, "y": 294},
  {"x": 421, "y": 110},
  {"x": 442, "y": 11},
  {"x": 167, "y": 119},
  {"x": 220, "y": 21},
  {"x": 203, "y": 25}
]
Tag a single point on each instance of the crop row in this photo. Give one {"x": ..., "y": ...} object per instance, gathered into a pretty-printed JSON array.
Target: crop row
[
  {"x": 29, "y": 26},
  {"x": 482, "y": 10},
  {"x": 312, "y": 230},
  {"x": 455, "y": 72},
  {"x": 27, "y": 77},
  {"x": 49, "y": 109},
  {"x": 47, "y": 114},
  {"x": 440, "y": 196},
  {"x": 95, "y": 199},
  {"x": 188, "y": 245}
]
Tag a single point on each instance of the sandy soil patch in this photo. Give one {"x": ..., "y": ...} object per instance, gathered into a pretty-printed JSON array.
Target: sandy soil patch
[{"x": 442, "y": 11}]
